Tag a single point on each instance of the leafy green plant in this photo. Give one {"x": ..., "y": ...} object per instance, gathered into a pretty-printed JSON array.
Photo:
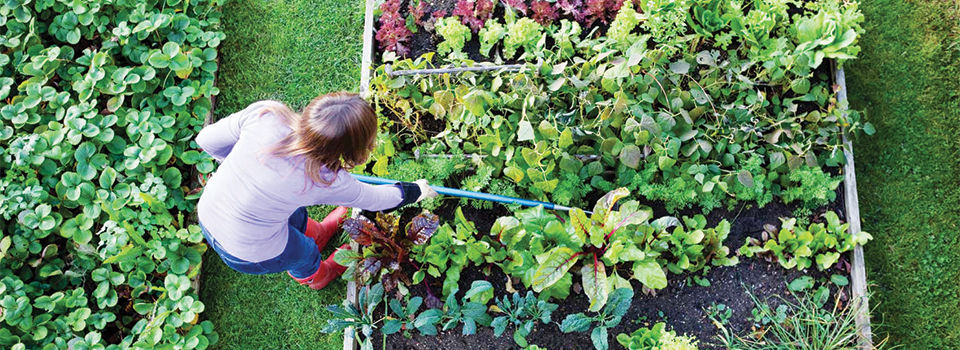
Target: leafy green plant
[
  {"x": 522, "y": 313},
  {"x": 384, "y": 247},
  {"x": 407, "y": 318},
  {"x": 101, "y": 100},
  {"x": 609, "y": 317},
  {"x": 360, "y": 317},
  {"x": 521, "y": 33},
  {"x": 796, "y": 247},
  {"x": 469, "y": 313},
  {"x": 665, "y": 123},
  {"x": 450, "y": 250},
  {"x": 544, "y": 248},
  {"x": 490, "y": 35},
  {"x": 454, "y": 34},
  {"x": 656, "y": 338}
]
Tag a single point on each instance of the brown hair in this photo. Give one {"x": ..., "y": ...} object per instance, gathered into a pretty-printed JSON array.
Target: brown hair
[{"x": 334, "y": 131}]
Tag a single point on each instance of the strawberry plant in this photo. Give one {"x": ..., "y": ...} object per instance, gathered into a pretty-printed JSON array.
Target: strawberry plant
[{"x": 97, "y": 243}]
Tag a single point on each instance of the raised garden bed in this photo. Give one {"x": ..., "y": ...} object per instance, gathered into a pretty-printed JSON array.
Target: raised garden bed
[{"x": 684, "y": 303}]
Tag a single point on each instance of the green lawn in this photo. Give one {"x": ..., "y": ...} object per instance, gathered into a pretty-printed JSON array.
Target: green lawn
[
  {"x": 908, "y": 81},
  {"x": 908, "y": 174},
  {"x": 290, "y": 51}
]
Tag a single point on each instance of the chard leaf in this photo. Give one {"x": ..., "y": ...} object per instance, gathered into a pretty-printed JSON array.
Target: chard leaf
[
  {"x": 595, "y": 285},
  {"x": 650, "y": 274},
  {"x": 422, "y": 227},
  {"x": 605, "y": 204},
  {"x": 557, "y": 263}
]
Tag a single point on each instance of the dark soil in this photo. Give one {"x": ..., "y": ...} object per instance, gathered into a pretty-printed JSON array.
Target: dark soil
[{"x": 682, "y": 305}]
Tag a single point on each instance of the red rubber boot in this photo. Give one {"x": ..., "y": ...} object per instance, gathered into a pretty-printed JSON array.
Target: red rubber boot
[
  {"x": 329, "y": 270},
  {"x": 321, "y": 232}
]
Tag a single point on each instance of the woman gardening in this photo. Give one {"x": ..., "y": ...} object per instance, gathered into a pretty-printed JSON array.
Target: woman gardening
[{"x": 274, "y": 163}]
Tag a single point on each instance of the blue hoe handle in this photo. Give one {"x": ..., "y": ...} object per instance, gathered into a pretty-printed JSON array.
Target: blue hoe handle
[{"x": 468, "y": 194}]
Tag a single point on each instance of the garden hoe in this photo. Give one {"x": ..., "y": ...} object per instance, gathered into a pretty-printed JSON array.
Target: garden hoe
[{"x": 471, "y": 194}]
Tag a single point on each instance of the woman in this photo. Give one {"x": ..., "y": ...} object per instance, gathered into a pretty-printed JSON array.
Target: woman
[{"x": 274, "y": 163}]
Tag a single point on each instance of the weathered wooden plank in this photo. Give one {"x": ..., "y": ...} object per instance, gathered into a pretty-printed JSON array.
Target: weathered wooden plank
[
  {"x": 366, "y": 62},
  {"x": 349, "y": 342},
  {"x": 481, "y": 68},
  {"x": 858, "y": 272}
]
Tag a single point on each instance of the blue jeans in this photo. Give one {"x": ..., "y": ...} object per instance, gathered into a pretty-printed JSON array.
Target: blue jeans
[{"x": 300, "y": 256}]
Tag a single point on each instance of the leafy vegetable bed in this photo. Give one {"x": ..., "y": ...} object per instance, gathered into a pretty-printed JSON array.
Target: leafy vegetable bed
[
  {"x": 684, "y": 304},
  {"x": 649, "y": 112}
]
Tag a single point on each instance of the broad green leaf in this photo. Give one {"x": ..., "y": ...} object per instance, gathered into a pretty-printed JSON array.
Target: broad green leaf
[
  {"x": 525, "y": 131},
  {"x": 582, "y": 225},
  {"x": 575, "y": 323},
  {"x": 599, "y": 338},
  {"x": 650, "y": 274},
  {"x": 595, "y": 285},
  {"x": 558, "y": 262},
  {"x": 605, "y": 204}
]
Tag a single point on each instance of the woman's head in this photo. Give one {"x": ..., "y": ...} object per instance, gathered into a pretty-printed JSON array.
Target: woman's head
[{"x": 336, "y": 131}]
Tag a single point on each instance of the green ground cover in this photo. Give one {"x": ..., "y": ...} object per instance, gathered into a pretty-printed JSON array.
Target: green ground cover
[
  {"x": 290, "y": 51},
  {"x": 907, "y": 81}
]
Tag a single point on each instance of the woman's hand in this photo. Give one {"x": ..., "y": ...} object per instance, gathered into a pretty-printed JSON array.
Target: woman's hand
[{"x": 425, "y": 190}]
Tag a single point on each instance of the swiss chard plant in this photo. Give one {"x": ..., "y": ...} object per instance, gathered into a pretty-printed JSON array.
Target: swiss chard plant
[
  {"x": 796, "y": 247},
  {"x": 545, "y": 249},
  {"x": 384, "y": 247}
]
